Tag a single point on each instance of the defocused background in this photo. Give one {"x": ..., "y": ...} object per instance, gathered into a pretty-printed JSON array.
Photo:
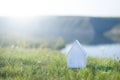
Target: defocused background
[
  {"x": 56, "y": 31},
  {"x": 98, "y": 35}
]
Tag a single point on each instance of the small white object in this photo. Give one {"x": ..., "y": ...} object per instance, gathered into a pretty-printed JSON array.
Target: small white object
[{"x": 76, "y": 57}]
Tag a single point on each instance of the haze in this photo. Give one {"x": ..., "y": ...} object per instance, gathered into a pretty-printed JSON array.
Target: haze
[{"x": 99, "y": 8}]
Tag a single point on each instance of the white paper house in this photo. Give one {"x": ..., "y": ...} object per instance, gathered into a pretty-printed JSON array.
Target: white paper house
[{"x": 76, "y": 57}]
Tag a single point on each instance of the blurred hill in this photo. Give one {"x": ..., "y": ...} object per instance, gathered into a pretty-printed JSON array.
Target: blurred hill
[
  {"x": 114, "y": 33},
  {"x": 60, "y": 30},
  {"x": 101, "y": 26}
]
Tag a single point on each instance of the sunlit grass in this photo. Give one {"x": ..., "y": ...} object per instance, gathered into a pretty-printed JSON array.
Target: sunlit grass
[{"x": 46, "y": 64}]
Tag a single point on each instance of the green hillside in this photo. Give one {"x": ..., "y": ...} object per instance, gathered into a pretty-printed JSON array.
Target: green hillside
[{"x": 45, "y": 64}]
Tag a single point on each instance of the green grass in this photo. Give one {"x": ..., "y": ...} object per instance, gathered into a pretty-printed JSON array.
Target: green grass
[{"x": 38, "y": 64}]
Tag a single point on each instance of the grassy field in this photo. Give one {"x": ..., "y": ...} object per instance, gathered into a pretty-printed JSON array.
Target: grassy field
[{"x": 45, "y": 64}]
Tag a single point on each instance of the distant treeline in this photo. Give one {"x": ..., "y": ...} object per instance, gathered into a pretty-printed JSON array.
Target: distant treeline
[
  {"x": 56, "y": 31},
  {"x": 52, "y": 42}
]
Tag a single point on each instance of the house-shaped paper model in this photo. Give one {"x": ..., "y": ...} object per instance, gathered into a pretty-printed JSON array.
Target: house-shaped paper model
[{"x": 76, "y": 57}]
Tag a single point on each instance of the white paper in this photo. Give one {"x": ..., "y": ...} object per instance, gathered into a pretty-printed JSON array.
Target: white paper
[{"x": 76, "y": 57}]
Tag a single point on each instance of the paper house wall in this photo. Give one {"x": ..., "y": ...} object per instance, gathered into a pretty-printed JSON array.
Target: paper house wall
[{"x": 76, "y": 57}]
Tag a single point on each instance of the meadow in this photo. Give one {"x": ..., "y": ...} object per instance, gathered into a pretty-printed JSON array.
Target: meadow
[{"x": 47, "y": 64}]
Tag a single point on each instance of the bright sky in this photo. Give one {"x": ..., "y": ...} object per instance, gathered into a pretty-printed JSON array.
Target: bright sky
[{"x": 106, "y": 8}]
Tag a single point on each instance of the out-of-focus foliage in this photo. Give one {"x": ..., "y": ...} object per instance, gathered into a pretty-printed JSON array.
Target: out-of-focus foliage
[
  {"x": 46, "y": 64},
  {"x": 46, "y": 42}
]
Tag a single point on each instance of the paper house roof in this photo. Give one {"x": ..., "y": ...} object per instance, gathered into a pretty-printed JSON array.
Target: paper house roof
[{"x": 76, "y": 57}]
